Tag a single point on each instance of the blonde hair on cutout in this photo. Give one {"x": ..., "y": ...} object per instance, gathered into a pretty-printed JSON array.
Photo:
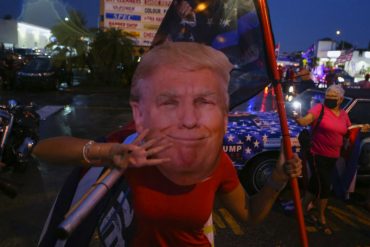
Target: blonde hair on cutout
[{"x": 182, "y": 56}]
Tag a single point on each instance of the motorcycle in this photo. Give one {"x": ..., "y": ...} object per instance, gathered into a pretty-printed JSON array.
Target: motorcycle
[{"x": 19, "y": 125}]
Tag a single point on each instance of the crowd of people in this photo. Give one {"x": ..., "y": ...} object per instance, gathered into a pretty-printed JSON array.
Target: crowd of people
[
  {"x": 305, "y": 77},
  {"x": 301, "y": 78}
]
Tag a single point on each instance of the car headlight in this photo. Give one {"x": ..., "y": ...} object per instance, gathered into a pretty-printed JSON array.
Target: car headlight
[
  {"x": 340, "y": 79},
  {"x": 297, "y": 105}
]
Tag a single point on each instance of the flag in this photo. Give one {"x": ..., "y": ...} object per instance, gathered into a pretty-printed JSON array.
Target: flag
[
  {"x": 277, "y": 50},
  {"x": 346, "y": 169},
  {"x": 345, "y": 56},
  {"x": 232, "y": 27}
]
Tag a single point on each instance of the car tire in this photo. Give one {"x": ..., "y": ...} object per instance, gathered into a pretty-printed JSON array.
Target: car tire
[{"x": 257, "y": 171}]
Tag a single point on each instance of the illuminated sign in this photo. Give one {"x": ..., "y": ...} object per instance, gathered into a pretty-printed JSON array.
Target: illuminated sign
[
  {"x": 139, "y": 17},
  {"x": 333, "y": 54}
]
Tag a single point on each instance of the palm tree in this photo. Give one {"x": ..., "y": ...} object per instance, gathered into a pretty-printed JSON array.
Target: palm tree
[
  {"x": 112, "y": 57},
  {"x": 108, "y": 53},
  {"x": 71, "y": 35}
]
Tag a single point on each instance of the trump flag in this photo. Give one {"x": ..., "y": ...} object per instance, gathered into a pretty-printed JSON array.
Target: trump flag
[{"x": 232, "y": 27}]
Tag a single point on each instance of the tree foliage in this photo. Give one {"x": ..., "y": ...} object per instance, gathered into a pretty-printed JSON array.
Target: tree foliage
[
  {"x": 111, "y": 56},
  {"x": 108, "y": 53},
  {"x": 344, "y": 45},
  {"x": 71, "y": 36}
]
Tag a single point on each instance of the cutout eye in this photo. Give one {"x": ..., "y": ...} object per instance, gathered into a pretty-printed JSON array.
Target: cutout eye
[
  {"x": 169, "y": 102},
  {"x": 204, "y": 101}
]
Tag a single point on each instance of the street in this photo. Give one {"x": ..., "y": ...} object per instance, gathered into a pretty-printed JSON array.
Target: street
[{"x": 91, "y": 113}]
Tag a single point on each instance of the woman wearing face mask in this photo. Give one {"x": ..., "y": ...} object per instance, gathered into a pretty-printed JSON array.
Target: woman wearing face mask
[{"x": 327, "y": 140}]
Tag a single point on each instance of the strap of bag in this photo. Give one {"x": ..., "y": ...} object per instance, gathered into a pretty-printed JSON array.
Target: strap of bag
[{"x": 319, "y": 119}]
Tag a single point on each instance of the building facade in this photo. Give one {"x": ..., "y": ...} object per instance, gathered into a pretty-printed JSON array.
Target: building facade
[
  {"x": 15, "y": 34},
  {"x": 355, "y": 62}
]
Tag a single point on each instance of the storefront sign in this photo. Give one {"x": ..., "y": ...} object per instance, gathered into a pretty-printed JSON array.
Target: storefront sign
[{"x": 139, "y": 17}]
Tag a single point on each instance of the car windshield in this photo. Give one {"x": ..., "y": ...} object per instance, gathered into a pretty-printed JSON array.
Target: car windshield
[
  {"x": 39, "y": 64},
  {"x": 264, "y": 101},
  {"x": 304, "y": 101},
  {"x": 359, "y": 113}
]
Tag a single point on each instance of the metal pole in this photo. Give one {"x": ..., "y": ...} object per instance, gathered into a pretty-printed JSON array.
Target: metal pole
[
  {"x": 271, "y": 59},
  {"x": 87, "y": 203}
]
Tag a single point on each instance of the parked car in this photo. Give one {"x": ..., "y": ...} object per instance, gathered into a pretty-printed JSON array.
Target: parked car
[
  {"x": 253, "y": 137},
  {"x": 344, "y": 79},
  {"x": 38, "y": 73}
]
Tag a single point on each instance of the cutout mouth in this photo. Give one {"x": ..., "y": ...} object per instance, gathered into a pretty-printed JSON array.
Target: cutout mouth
[{"x": 187, "y": 138}]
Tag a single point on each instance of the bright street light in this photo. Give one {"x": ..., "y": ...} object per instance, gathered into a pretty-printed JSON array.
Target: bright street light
[{"x": 338, "y": 33}]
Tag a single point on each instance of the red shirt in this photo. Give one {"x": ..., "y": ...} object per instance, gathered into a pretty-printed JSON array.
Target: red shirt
[
  {"x": 167, "y": 214},
  {"x": 328, "y": 136}
]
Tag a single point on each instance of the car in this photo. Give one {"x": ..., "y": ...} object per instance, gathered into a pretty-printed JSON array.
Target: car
[
  {"x": 253, "y": 139},
  {"x": 344, "y": 79},
  {"x": 38, "y": 73},
  {"x": 253, "y": 136}
]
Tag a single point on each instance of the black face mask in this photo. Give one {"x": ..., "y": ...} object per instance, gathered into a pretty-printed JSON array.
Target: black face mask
[{"x": 330, "y": 103}]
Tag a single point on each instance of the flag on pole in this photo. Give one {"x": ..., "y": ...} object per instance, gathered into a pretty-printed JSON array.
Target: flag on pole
[
  {"x": 277, "y": 50},
  {"x": 345, "y": 56},
  {"x": 232, "y": 27}
]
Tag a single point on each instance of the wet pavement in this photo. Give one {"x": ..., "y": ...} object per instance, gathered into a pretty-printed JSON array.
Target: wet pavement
[{"x": 94, "y": 112}]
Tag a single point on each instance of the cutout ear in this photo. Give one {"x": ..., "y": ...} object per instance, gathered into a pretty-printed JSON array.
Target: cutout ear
[{"x": 137, "y": 115}]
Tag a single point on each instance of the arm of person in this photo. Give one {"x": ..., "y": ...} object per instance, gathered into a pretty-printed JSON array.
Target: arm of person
[
  {"x": 305, "y": 120},
  {"x": 66, "y": 150},
  {"x": 365, "y": 128},
  {"x": 255, "y": 208},
  {"x": 62, "y": 149},
  {"x": 184, "y": 10}
]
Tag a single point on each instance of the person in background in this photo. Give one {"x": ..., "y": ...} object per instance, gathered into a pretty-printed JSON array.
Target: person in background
[
  {"x": 289, "y": 74},
  {"x": 365, "y": 83},
  {"x": 327, "y": 141},
  {"x": 330, "y": 77},
  {"x": 304, "y": 77},
  {"x": 179, "y": 93}
]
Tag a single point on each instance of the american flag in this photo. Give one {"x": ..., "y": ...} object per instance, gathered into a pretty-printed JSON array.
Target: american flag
[
  {"x": 251, "y": 133},
  {"x": 345, "y": 56}
]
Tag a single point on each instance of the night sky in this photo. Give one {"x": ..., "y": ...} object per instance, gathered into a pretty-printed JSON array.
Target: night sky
[{"x": 296, "y": 23}]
